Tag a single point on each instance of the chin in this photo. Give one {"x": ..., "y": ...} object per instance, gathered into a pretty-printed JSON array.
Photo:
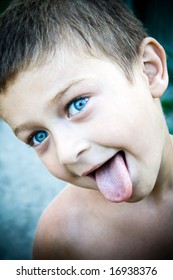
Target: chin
[{"x": 137, "y": 197}]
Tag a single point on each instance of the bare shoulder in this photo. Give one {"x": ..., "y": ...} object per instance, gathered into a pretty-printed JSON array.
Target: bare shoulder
[
  {"x": 78, "y": 224},
  {"x": 81, "y": 224},
  {"x": 58, "y": 234}
]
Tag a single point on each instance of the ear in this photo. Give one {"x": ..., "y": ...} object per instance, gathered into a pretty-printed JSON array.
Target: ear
[{"x": 154, "y": 66}]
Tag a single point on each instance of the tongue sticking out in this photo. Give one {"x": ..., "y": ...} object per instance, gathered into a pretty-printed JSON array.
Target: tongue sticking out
[{"x": 113, "y": 179}]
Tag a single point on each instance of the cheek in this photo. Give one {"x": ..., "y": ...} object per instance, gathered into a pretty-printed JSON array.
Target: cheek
[
  {"x": 51, "y": 163},
  {"x": 131, "y": 127},
  {"x": 113, "y": 128}
]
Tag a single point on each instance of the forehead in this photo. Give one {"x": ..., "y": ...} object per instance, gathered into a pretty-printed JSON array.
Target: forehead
[{"x": 34, "y": 87}]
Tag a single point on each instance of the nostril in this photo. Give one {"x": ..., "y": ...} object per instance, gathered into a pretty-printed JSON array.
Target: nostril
[
  {"x": 79, "y": 153},
  {"x": 69, "y": 152},
  {"x": 82, "y": 148}
]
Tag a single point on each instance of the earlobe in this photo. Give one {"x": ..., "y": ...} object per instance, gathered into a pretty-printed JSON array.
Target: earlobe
[{"x": 155, "y": 66}]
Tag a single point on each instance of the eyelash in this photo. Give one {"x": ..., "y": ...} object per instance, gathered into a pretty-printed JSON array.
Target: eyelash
[
  {"x": 72, "y": 101},
  {"x": 29, "y": 140}
]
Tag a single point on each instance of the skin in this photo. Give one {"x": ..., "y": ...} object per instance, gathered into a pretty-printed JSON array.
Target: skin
[{"x": 118, "y": 115}]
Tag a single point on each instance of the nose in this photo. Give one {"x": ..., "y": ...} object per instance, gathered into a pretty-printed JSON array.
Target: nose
[{"x": 70, "y": 146}]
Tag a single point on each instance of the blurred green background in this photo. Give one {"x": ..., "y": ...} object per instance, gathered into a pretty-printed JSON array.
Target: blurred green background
[{"x": 23, "y": 198}]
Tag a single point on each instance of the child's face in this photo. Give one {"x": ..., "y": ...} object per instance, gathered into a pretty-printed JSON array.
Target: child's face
[{"x": 78, "y": 114}]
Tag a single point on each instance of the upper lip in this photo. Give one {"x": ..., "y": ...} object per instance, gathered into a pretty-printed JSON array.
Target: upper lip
[{"x": 94, "y": 168}]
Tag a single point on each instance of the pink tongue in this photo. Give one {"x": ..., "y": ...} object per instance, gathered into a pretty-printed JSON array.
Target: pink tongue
[{"x": 113, "y": 179}]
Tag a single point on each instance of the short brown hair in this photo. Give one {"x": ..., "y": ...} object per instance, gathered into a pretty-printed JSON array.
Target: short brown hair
[{"x": 32, "y": 29}]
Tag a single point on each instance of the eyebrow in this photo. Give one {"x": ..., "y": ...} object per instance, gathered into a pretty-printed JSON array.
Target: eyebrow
[
  {"x": 23, "y": 127},
  {"x": 29, "y": 125},
  {"x": 65, "y": 89}
]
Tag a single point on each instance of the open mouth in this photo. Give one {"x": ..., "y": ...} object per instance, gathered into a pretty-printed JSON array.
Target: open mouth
[
  {"x": 113, "y": 178},
  {"x": 92, "y": 173}
]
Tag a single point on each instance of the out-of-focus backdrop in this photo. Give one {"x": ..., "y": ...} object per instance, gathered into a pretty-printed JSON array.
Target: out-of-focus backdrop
[{"x": 26, "y": 188}]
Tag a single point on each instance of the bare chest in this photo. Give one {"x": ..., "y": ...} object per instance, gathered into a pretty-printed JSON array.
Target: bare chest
[{"x": 135, "y": 233}]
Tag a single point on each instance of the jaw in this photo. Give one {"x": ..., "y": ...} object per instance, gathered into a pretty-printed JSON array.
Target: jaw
[{"x": 164, "y": 182}]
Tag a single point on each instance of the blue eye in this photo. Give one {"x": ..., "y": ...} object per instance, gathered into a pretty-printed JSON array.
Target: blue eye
[
  {"x": 39, "y": 137},
  {"x": 76, "y": 106}
]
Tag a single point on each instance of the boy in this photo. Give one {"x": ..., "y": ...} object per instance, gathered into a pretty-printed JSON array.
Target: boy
[{"x": 80, "y": 82}]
